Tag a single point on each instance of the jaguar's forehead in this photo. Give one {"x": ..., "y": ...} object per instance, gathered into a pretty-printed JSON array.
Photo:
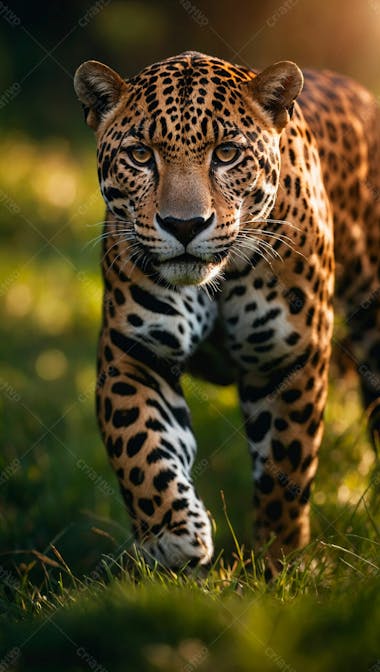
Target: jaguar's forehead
[
  {"x": 190, "y": 70},
  {"x": 190, "y": 97}
]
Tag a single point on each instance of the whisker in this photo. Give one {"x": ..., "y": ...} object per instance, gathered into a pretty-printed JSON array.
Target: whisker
[
  {"x": 111, "y": 248},
  {"x": 113, "y": 261},
  {"x": 102, "y": 236},
  {"x": 273, "y": 221},
  {"x": 108, "y": 251},
  {"x": 250, "y": 244},
  {"x": 258, "y": 251},
  {"x": 268, "y": 232},
  {"x": 119, "y": 256},
  {"x": 274, "y": 254},
  {"x": 278, "y": 236},
  {"x": 102, "y": 223},
  {"x": 282, "y": 237},
  {"x": 241, "y": 255},
  {"x": 282, "y": 240},
  {"x": 212, "y": 286},
  {"x": 263, "y": 254}
]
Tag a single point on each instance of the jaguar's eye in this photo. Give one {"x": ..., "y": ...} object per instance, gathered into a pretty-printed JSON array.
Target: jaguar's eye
[
  {"x": 225, "y": 153},
  {"x": 140, "y": 155}
]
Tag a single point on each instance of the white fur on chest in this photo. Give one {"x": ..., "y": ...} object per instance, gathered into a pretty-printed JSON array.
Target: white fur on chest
[{"x": 186, "y": 319}]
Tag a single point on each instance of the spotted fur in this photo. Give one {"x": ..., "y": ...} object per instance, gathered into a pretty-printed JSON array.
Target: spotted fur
[{"x": 224, "y": 195}]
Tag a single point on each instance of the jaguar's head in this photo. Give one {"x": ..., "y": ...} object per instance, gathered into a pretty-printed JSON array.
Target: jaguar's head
[{"x": 188, "y": 156}]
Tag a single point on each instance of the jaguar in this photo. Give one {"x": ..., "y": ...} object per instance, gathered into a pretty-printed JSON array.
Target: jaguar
[{"x": 241, "y": 208}]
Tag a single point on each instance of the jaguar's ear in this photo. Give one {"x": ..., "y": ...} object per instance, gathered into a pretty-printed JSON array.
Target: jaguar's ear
[
  {"x": 99, "y": 89},
  {"x": 276, "y": 89}
]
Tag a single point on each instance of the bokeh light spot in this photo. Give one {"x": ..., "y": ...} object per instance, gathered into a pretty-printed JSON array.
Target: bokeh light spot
[
  {"x": 53, "y": 314},
  {"x": 344, "y": 494},
  {"x": 60, "y": 188},
  {"x": 19, "y": 300},
  {"x": 51, "y": 364}
]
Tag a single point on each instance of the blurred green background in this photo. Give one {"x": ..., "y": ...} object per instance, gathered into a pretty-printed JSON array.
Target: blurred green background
[
  {"x": 43, "y": 43},
  {"x": 60, "y": 510}
]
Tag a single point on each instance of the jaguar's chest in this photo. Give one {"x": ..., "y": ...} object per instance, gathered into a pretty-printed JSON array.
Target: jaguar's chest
[
  {"x": 170, "y": 323},
  {"x": 260, "y": 331}
]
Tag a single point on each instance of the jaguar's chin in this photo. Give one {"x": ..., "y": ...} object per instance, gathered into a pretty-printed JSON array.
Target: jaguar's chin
[{"x": 189, "y": 270}]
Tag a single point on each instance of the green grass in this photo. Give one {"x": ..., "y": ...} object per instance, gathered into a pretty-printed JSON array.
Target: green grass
[{"x": 73, "y": 594}]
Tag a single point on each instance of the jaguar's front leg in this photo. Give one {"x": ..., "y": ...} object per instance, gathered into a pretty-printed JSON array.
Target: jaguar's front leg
[
  {"x": 279, "y": 335},
  {"x": 284, "y": 425},
  {"x": 145, "y": 421}
]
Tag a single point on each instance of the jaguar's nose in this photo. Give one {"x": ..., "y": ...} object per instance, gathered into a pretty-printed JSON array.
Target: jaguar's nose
[{"x": 184, "y": 229}]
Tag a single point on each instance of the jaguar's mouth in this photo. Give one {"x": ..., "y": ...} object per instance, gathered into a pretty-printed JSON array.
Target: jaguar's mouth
[
  {"x": 183, "y": 269},
  {"x": 186, "y": 269},
  {"x": 188, "y": 258},
  {"x": 185, "y": 258}
]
